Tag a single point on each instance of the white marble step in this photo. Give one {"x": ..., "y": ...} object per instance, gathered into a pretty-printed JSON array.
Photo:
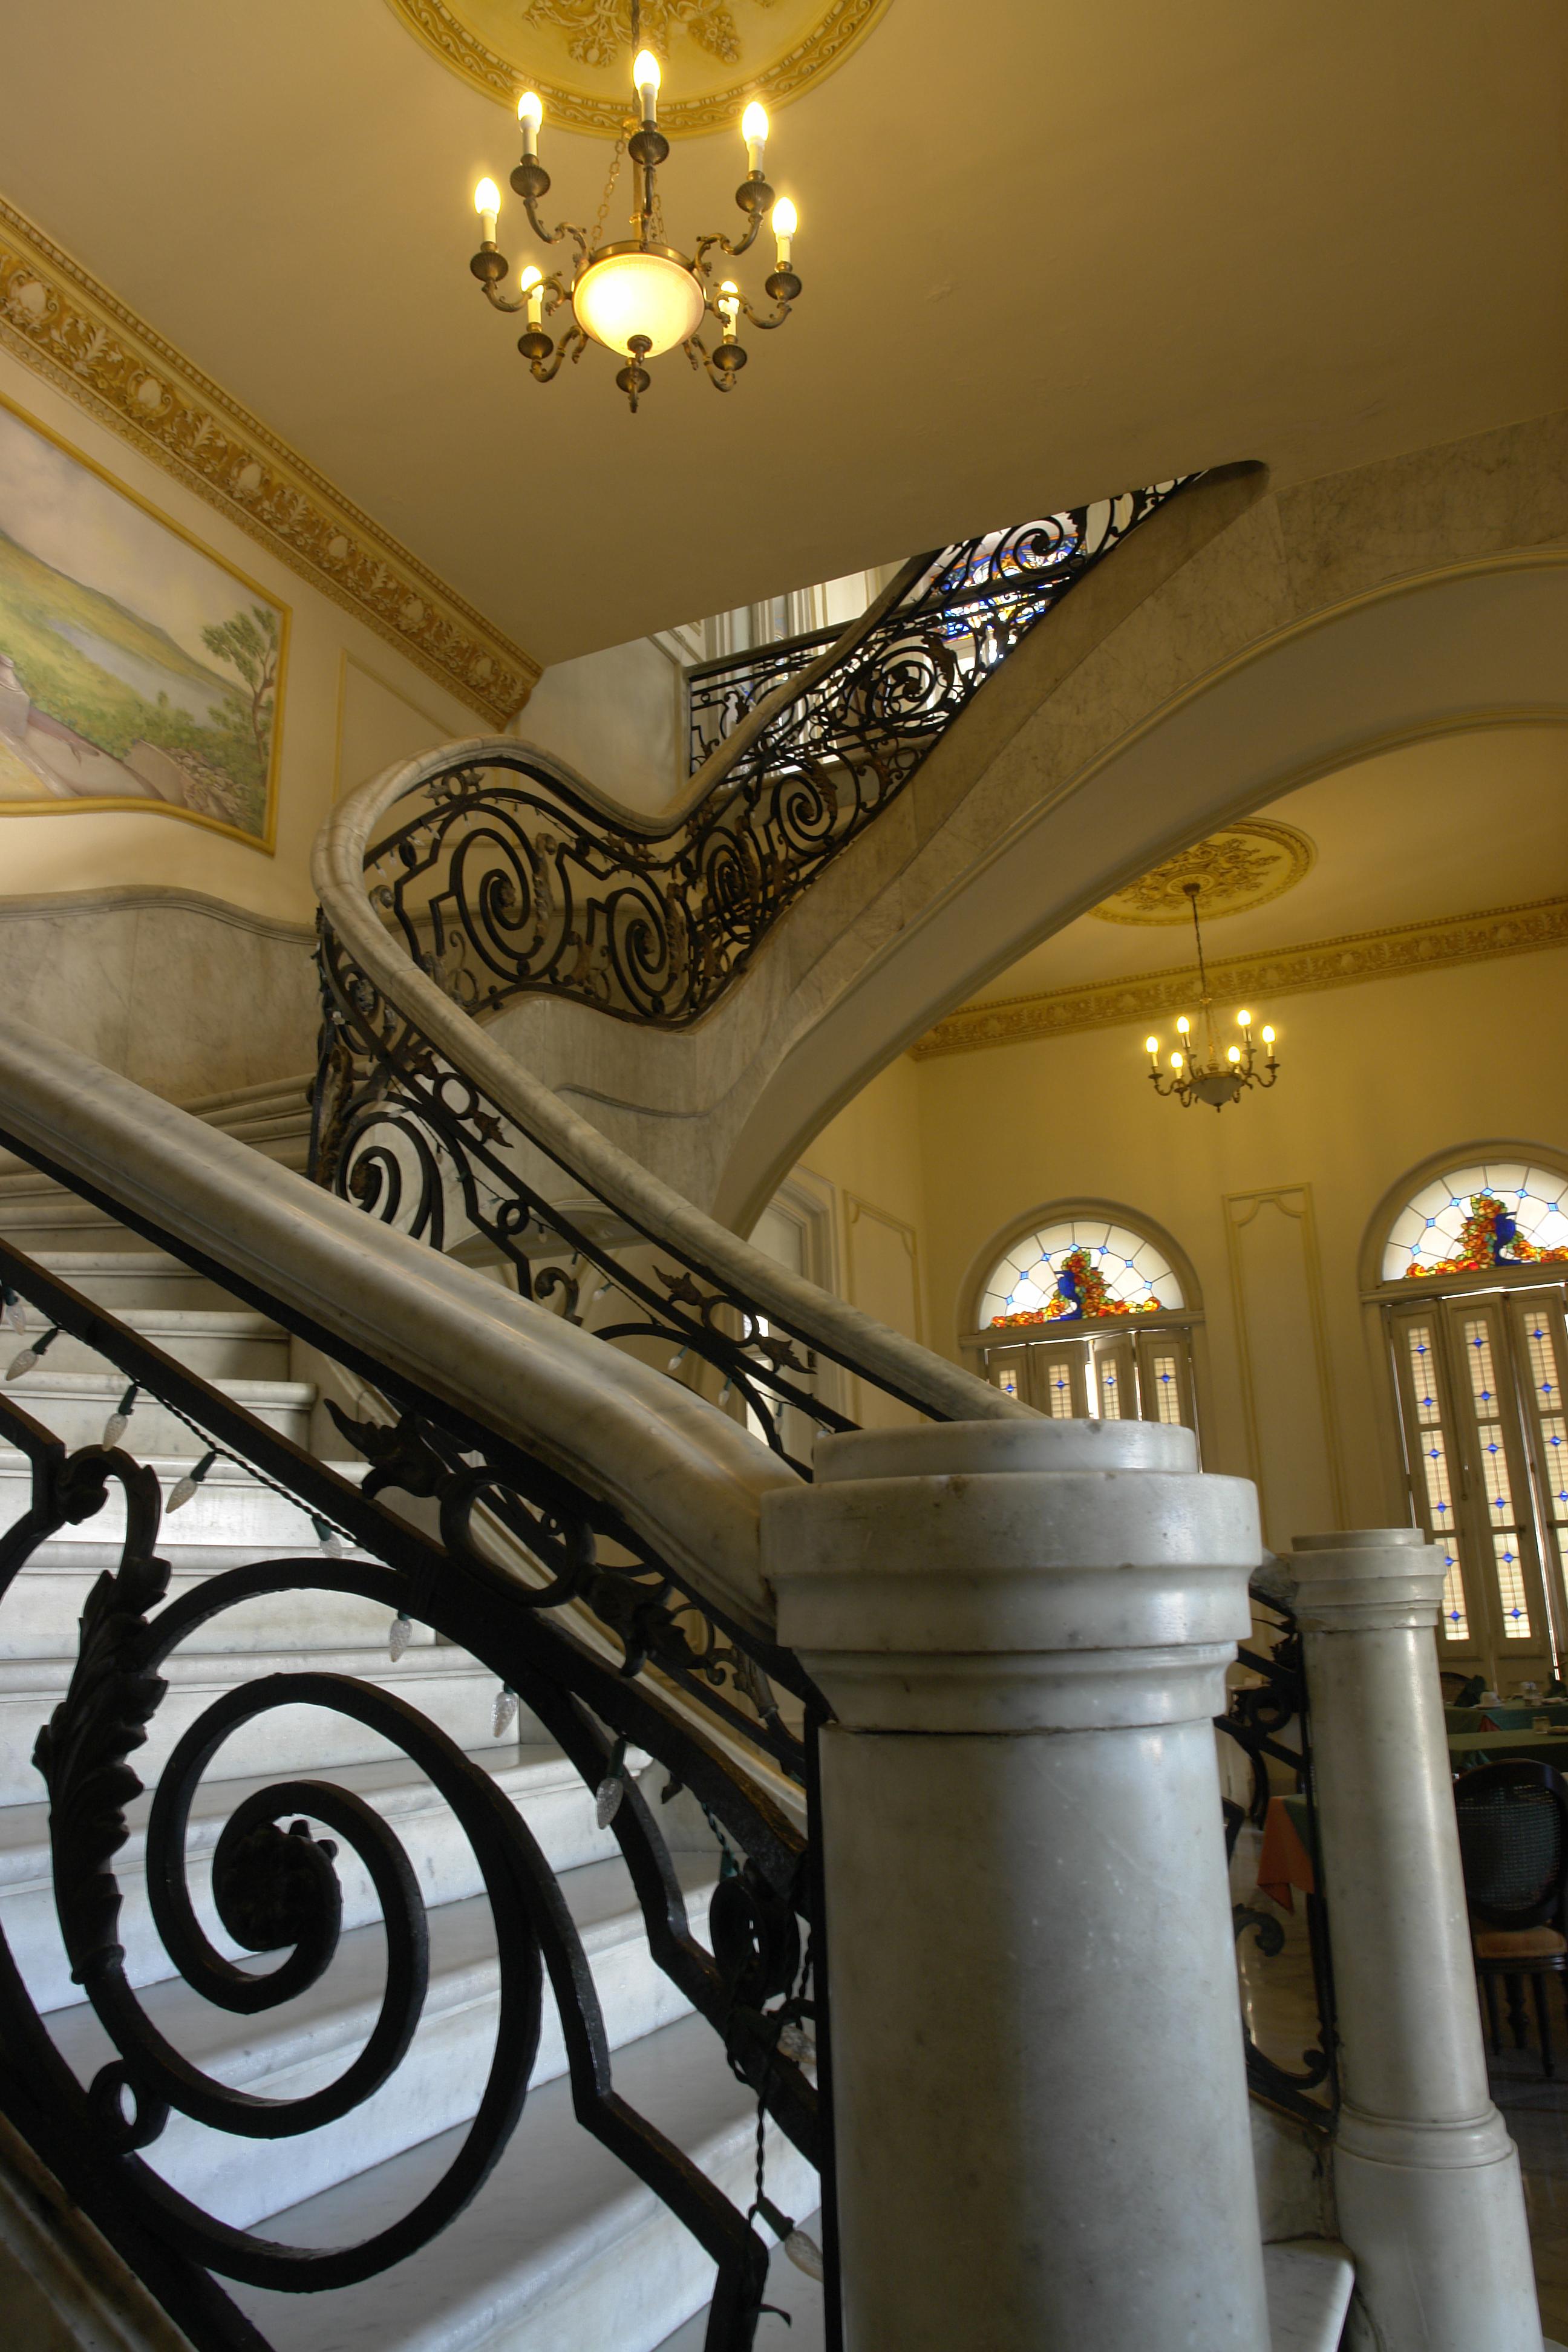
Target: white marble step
[
  {"x": 290, "y": 2052},
  {"x": 1309, "y": 2281},
  {"x": 445, "y": 1685},
  {"x": 133, "y": 1278},
  {"x": 564, "y": 2250},
  {"x": 226, "y": 1343},
  {"x": 76, "y": 1404},
  {"x": 537, "y": 1779},
  {"x": 231, "y": 1512}
]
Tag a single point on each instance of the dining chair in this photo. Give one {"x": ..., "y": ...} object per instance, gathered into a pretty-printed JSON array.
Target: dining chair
[{"x": 1513, "y": 1844}]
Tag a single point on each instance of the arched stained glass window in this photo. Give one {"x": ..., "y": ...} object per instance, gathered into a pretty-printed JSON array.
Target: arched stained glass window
[
  {"x": 1495, "y": 1212},
  {"x": 1479, "y": 1356},
  {"x": 1077, "y": 1270}
]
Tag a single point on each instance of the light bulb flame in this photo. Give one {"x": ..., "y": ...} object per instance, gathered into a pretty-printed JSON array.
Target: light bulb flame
[
  {"x": 487, "y": 198},
  {"x": 645, "y": 72},
  {"x": 1184, "y": 1024},
  {"x": 1267, "y": 1036},
  {"x": 1243, "y": 1019},
  {"x": 1175, "y": 1061},
  {"x": 530, "y": 108},
  {"x": 754, "y": 122},
  {"x": 530, "y": 278},
  {"x": 786, "y": 220},
  {"x": 1234, "y": 1054},
  {"x": 1151, "y": 1045}
]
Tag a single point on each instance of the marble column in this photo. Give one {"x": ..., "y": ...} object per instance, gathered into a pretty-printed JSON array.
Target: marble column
[
  {"x": 1427, "y": 2178},
  {"x": 1040, "y": 2097}
]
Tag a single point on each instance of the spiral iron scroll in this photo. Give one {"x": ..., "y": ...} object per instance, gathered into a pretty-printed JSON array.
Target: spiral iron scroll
[{"x": 276, "y": 1884}]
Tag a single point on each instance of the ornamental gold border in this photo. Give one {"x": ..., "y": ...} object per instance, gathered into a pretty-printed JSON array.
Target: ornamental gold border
[
  {"x": 1300, "y": 855},
  {"x": 78, "y": 337},
  {"x": 1431, "y": 946},
  {"x": 266, "y": 839},
  {"x": 842, "y": 25}
]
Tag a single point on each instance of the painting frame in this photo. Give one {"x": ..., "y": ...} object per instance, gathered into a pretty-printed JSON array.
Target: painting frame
[{"x": 264, "y": 840}]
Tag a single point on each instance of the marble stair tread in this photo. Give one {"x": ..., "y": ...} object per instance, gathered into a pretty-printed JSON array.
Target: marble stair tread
[
  {"x": 133, "y": 1278},
  {"x": 230, "y": 1506},
  {"x": 446, "y": 1685},
  {"x": 337, "y": 2012},
  {"x": 1309, "y": 2281},
  {"x": 538, "y": 1780},
  {"x": 304, "y": 2046},
  {"x": 563, "y": 2249}
]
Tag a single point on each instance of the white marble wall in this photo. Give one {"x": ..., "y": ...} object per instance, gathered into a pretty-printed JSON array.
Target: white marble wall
[{"x": 187, "y": 995}]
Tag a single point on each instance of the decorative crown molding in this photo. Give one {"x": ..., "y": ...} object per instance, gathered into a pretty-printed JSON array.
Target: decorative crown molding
[
  {"x": 75, "y": 333},
  {"x": 1289, "y": 972}
]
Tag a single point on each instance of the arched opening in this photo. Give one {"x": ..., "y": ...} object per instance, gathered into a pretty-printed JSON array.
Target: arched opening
[
  {"x": 1468, "y": 1265},
  {"x": 1085, "y": 1310}
]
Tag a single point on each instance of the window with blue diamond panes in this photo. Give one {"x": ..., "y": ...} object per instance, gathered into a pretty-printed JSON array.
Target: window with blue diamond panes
[{"x": 1450, "y": 1224}]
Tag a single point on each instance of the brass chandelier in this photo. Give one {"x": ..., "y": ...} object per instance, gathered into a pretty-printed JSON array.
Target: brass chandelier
[
  {"x": 1219, "y": 1078},
  {"x": 637, "y": 296}
]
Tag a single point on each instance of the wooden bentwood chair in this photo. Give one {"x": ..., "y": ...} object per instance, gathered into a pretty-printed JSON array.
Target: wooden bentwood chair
[{"x": 1513, "y": 1842}]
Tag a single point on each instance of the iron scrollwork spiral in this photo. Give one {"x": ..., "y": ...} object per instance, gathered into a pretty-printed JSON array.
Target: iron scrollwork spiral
[{"x": 277, "y": 1883}]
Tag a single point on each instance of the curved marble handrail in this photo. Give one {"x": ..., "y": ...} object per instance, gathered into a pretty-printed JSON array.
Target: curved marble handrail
[
  {"x": 685, "y": 1475},
  {"x": 841, "y": 1331}
]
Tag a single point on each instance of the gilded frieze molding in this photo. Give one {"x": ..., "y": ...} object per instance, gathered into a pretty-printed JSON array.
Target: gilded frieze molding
[
  {"x": 1289, "y": 972},
  {"x": 75, "y": 333}
]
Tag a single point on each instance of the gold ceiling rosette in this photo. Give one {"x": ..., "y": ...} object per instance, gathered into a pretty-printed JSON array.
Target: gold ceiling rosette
[
  {"x": 716, "y": 54},
  {"x": 1243, "y": 865}
]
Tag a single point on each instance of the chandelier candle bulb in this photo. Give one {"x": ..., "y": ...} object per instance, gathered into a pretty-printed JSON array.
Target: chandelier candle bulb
[
  {"x": 785, "y": 222},
  {"x": 531, "y": 284},
  {"x": 529, "y": 115},
  {"x": 645, "y": 80},
  {"x": 1184, "y": 1024},
  {"x": 1243, "y": 1019},
  {"x": 487, "y": 204},
  {"x": 754, "y": 131},
  {"x": 729, "y": 307},
  {"x": 1152, "y": 1048}
]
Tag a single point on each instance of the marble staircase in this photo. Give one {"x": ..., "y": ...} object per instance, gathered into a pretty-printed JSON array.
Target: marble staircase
[{"x": 562, "y": 2248}]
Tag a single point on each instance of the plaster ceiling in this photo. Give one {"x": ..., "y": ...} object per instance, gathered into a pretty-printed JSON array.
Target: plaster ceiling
[
  {"x": 1448, "y": 827},
  {"x": 1049, "y": 252}
]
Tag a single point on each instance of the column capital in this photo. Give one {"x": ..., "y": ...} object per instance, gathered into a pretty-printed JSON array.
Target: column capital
[
  {"x": 1008, "y": 1576},
  {"x": 1367, "y": 1581}
]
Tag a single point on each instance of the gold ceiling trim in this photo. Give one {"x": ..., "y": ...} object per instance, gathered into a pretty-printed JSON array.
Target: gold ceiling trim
[
  {"x": 440, "y": 28},
  {"x": 72, "y": 331},
  {"x": 1241, "y": 867},
  {"x": 1141, "y": 997}
]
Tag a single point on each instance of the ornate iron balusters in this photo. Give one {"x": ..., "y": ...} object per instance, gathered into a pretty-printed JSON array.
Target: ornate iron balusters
[
  {"x": 276, "y": 1883},
  {"x": 1257, "y": 1716},
  {"x": 500, "y": 879}
]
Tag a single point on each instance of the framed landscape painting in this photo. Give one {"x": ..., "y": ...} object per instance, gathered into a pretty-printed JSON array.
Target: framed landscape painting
[{"x": 137, "y": 670}]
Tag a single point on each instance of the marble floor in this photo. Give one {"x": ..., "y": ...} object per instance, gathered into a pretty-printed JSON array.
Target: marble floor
[{"x": 1277, "y": 1995}]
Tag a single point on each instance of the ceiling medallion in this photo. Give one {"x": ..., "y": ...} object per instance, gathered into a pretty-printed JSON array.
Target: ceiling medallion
[
  {"x": 1213, "y": 1077},
  {"x": 1243, "y": 865},
  {"x": 717, "y": 54},
  {"x": 637, "y": 295}
]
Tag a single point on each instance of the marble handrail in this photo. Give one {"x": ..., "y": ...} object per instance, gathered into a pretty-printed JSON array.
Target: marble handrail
[{"x": 686, "y": 1477}]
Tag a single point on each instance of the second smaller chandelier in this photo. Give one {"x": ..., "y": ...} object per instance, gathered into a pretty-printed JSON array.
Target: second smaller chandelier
[
  {"x": 637, "y": 295},
  {"x": 1216, "y": 1078}
]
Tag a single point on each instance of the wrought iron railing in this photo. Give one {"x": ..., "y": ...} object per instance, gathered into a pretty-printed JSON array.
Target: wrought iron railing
[
  {"x": 496, "y": 876},
  {"x": 528, "y": 1573},
  {"x": 1259, "y": 1715}
]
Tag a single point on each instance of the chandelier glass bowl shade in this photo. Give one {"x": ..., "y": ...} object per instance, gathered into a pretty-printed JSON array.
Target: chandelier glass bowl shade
[
  {"x": 637, "y": 296},
  {"x": 1213, "y": 1077}
]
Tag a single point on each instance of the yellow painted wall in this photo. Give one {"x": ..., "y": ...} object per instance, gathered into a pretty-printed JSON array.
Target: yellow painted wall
[
  {"x": 350, "y": 703},
  {"x": 1372, "y": 1080}
]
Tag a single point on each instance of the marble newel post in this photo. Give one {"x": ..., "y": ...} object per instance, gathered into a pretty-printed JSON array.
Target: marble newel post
[
  {"x": 1425, "y": 2175},
  {"x": 1039, "y": 2095}
]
